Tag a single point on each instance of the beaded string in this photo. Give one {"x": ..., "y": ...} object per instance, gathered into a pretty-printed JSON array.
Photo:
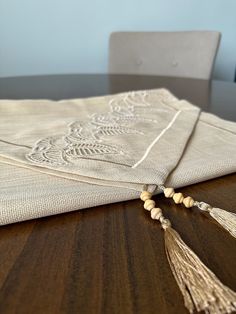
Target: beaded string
[
  {"x": 156, "y": 212},
  {"x": 225, "y": 218}
]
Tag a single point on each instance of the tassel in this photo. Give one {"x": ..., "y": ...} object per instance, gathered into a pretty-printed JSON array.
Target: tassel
[
  {"x": 226, "y": 219},
  {"x": 201, "y": 289}
]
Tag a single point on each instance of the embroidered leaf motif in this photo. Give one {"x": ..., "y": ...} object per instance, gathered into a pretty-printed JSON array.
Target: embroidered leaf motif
[
  {"x": 103, "y": 119},
  {"x": 90, "y": 149},
  {"x": 86, "y": 138},
  {"x": 132, "y": 119},
  {"x": 47, "y": 151},
  {"x": 81, "y": 131},
  {"x": 93, "y": 131},
  {"x": 115, "y": 130}
]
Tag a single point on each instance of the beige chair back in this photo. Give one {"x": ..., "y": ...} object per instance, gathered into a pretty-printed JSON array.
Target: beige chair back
[{"x": 180, "y": 54}]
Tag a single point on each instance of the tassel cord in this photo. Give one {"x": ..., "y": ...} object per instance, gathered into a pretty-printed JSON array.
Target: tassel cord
[{"x": 226, "y": 219}]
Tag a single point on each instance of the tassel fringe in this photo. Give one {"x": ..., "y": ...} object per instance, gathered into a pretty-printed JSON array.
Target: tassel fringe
[
  {"x": 226, "y": 219},
  {"x": 201, "y": 289}
]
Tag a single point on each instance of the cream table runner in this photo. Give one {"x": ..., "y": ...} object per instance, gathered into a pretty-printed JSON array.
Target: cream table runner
[{"x": 59, "y": 156}]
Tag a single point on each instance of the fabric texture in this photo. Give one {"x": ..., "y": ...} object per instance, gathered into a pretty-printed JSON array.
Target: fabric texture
[{"x": 59, "y": 156}]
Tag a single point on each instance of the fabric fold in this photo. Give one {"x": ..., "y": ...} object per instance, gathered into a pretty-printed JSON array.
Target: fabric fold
[{"x": 59, "y": 156}]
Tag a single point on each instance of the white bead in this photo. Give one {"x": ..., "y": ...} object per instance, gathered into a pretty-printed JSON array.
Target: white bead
[
  {"x": 169, "y": 192},
  {"x": 145, "y": 195},
  {"x": 156, "y": 213},
  {"x": 149, "y": 204},
  {"x": 188, "y": 201},
  {"x": 178, "y": 198}
]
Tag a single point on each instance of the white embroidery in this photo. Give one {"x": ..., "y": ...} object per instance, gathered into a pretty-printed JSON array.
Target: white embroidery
[
  {"x": 48, "y": 151},
  {"x": 156, "y": 140},
  {"x": 87, "y": 139},
  {"x": 90, "y": 149}
]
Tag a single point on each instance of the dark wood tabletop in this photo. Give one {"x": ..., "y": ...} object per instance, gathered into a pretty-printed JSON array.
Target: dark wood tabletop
[{"x": 111, "y": 259}]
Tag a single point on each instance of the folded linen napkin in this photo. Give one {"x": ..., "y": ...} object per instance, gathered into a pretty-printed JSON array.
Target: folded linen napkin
[{"x": 59, "y": 156}]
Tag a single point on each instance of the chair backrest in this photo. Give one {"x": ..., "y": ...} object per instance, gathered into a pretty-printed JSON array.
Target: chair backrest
[{"x": 180, "y": 54}]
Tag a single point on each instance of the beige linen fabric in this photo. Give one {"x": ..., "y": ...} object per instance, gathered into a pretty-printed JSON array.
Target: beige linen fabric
[
  {"x": 105, "y": 138},
  {"x": 61, "y": 156},
  {"x": 210, "y": 152}
]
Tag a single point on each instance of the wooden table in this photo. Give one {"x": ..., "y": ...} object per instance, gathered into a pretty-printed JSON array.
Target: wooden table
[{"x": 111, "y": 259}]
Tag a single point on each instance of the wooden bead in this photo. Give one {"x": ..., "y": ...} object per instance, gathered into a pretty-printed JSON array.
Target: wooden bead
[
  {"x": 169, "y": 192},
  {"x": 145, "y": 195},
  {"x": 156, "y": 213},
  {"x": 178, "y": 198},
  {"x": 149, "y": 204},
  {"x": 188, "y": 201}
]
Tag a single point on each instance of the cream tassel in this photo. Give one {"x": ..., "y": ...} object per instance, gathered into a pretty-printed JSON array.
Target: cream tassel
[
  {"x": 226, "y": 219},
  {"x": 201, "y": 289}
]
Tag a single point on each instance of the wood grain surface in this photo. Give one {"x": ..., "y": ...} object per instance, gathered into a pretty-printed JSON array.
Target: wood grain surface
[{"x": 111, "y": 259}]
